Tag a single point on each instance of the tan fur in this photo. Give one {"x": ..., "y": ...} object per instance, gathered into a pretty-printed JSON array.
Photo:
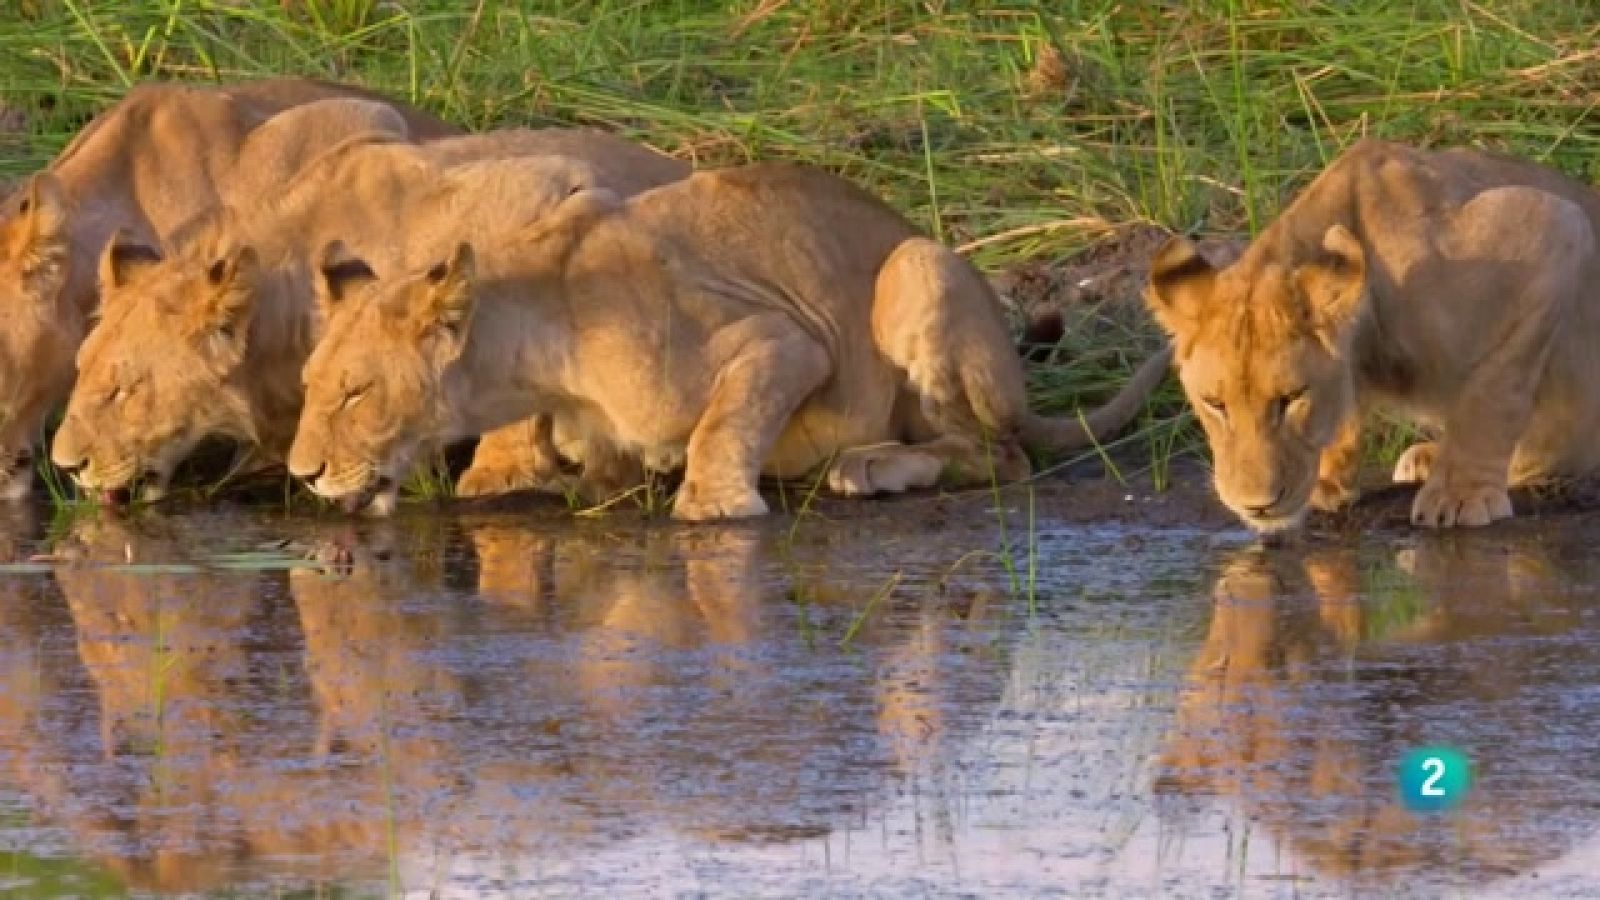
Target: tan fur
[
  {"x": 1454, "y": 287},
  {"x": 236, "y": 344},
  {"x": 157, "y": 158},
  {"x": 770, "y": 318}
]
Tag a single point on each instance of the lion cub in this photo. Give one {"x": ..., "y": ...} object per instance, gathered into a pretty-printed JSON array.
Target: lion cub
[
  {"x": 1455, "y": 287},
  {"x": 771, "y": 318}
]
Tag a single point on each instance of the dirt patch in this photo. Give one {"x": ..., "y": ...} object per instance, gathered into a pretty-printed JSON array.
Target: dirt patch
[
  {"x": 1185, "y": 502},
  {"x": 1388, "y": 506},
  {"x": 1110, "y": 273}
]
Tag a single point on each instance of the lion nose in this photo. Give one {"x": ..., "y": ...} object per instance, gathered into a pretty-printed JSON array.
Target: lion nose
[{"x": 1263, "y": 509}]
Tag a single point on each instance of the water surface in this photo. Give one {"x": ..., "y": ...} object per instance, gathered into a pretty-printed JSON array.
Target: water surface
[{"x": 521, "y": 704}]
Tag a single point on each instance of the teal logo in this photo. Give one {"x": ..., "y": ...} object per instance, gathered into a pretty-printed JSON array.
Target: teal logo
[{"x": 1434, "y": 779}]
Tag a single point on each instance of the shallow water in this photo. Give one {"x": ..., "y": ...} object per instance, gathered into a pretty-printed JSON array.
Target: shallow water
[{"x": 520, "y": 705}]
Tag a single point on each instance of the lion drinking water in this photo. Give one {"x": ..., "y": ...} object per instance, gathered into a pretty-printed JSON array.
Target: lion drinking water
[
  {"x": 163, "y": 154},
  {"x": 1456, "y": 287},
  {"x": 233, "y": 298},
  {"x": 771, "y": 318}
]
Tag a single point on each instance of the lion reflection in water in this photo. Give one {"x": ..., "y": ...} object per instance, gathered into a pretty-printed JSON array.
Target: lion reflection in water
[
  {"x": 322, "y": 724},
  {"x": 1322, "y": 667}
]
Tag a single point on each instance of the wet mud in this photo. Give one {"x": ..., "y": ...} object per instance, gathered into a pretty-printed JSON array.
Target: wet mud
[{"x": 1137, "y": 699}]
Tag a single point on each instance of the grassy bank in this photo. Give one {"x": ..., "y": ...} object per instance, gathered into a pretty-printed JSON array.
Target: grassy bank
[{"x": 1050, "y": 146}]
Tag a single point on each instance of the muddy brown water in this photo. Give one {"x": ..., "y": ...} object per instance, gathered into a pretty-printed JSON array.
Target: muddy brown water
[{"x": 511, "y": 702}]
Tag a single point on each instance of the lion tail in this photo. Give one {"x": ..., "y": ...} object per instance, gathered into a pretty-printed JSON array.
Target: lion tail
[{"x": 1068, "y": 433}]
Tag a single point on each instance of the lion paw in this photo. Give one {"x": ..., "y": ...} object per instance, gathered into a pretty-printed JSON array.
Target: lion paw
[
  {"x": 695, "y": 504},
  {"x": 1416, "y": 464},
  {"x": 383, "y": 503},
  {"x": 889, "y": 469},
  {"x": 484, "y": 480},
  {"x": 1443, "y": 505},
  {"x": 155, "y": 489},
  {"x": 1331, "y": 496}
]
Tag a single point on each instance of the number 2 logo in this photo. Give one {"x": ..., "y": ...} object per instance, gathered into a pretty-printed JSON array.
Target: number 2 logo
[
  {"x": 1434, "y": 779},
  {"x": 1435, "y": 766}
]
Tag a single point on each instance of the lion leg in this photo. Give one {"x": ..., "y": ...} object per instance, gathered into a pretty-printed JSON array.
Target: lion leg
[
  {"x": 755, "y": 391},
  {"x": 535, "y": 454},
  {"x": 1468, "y": 481},
  {"x": 1339, "y": 467},
  {"x": 520, "y": 456},
  {"x": 937, "y": 322},
  {"x": 1468, "y": 485}
]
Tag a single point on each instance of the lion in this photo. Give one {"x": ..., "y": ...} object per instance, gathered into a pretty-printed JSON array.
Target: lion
[
  {"x": 764, "y": 319},
  {"x": 235, "y": 300},
  {"x": 1452, "y": 286},
  {"x": 154, "y": 160}
]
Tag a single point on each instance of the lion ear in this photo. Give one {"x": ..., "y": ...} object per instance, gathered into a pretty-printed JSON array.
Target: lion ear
[
  {"x": 558, "y": 231},
  {"x": 447, "y": 298},
  {"x": 44, "y": 208},
  {"x": 1180, "y": 287},
  {"x": 233, "y": 279},
  {"x": 1334, "y": 287},
  {"x": 339, "y": 275},
  {"x": 125, "y": 259},
  {"x": 43, "y": 243}
]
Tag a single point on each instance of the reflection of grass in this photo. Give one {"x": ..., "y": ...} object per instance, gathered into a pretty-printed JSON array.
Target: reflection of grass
[
  {"x": 162, "y": 661},
  {"x": 805, "y": 502},
  {"x": 1007, "y": 561},
  {"x": 1393, "y": 602},
  {"x": 391, "y": 839},
  {"x": 1033, "y": 556},
  {"x": 866, "y": 611},
  {"x": 35, "y": 876}
]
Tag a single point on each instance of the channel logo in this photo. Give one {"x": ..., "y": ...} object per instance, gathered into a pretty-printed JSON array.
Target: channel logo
[{"x": 1434, "y": 779}]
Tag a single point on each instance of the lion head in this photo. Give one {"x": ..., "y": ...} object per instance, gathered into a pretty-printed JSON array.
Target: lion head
[
  {"x": 1263, "y": 352},
  {"x": 38, "y": 334},
  {"x": 374, "y": 394},
  {"x": 378, "y": 385},
  {"x": 158, "y": 372}
]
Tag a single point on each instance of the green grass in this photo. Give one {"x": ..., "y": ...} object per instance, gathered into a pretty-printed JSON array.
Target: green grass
[{"x": 1027, "y": 137}]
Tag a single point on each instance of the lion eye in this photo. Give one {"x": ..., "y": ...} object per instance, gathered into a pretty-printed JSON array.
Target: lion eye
[
  {"x": 353, "y": 397},
  {"x": 1215, "y": 405},
  {"x": 1286, "y": 400},
  {"x": 117, "y": 395}
]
